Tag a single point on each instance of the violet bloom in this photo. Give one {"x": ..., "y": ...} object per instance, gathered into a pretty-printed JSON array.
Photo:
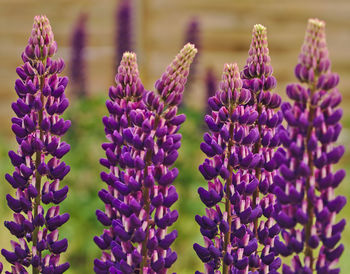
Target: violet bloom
[
  {"x": 307, "y": 204},
  {"x": 123, "y": 21},
  {"x": 219, "y": 227},
  {"x": 78, "y": 57},
  {"x": 241, "y": 163},
  {"x": 38, "y": 165},
  {"x": 143, "y": 142},
  {"x": 257, "y": 77},
  {"x": 193, "y": 36},
  {"x": 211, "y": 85}
]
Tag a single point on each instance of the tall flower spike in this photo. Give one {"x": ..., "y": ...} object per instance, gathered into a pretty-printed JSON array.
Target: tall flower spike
[
  {"x": 123, "y": 23},
  {"x": 143, "y": 142},
  {"x": 243, "y": 140},
  {"x": 38, "y": 129},
  {"x": 229, "y": 238},
  {"x": 78, "y": 57},
  {"x": 193, "y": 37},
  {"x": 211, "y": 85},
  {"x": 257, "y": 77},
  {"x": 171, "y": 85},
  {"x": 257, "y": 73},
  {"x": 306, "y": 184}
]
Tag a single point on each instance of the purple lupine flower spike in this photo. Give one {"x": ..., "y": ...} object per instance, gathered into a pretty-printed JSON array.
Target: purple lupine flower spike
[
  {"x": 38, "y": 165},
  {"x": 223, "y": 229},
  {"x": 160, "y": 155},
  {"x": 171, "y": 85},
  {"x": 78, "y": 57},
  {"x": 241, "y": 150},
  {"x": 143, "y": 142},
  {"x": 192, "y": 32},
  {"x": 125, "y": 97},
  {"x": 257, "y": 77},
  {"x": 193, "y": 37},
  {"x": 211, "y": 86},
  {"x": 307, "y": 205},
  {"x": 257, "y": 73},
  {"x": 123, "y": 20}
]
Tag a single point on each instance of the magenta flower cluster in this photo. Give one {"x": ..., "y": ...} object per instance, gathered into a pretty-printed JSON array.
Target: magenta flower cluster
[
  {"x": 143, "y": 142},
  {"x": 262, "y": 200},
  {"x": 193, "y": 36},
  {"x": 78, "y": 57},
  {"x": 124, "y": 29},
  {"x": 241, "y": 164},
  {"x": 269, "y": 165},
  {"x": 210, "y": 85},
  {"x": 306, "y": 202},
  {"x": 38, "y": 163}
]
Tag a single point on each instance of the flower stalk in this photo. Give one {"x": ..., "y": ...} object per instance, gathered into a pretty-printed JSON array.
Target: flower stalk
[
  {"x": 143, "y": 142},
  {"x": 38, "y": 129},
  {"x": 305, "y": 186},
  {"x": 78, "y": 57},
  {"x": 124, "y": 28},
  {"x": 241, "y": 147}
]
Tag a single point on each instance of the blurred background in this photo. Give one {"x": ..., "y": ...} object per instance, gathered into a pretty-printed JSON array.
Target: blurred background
[{"x": 91, "y": 36}]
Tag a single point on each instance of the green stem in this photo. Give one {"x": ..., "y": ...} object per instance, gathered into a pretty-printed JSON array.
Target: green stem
[
  {"x": 310, "y": 207},
  {"x": 147, "y": 201},
  {"x": 37, "y": 174},
  {"x": 227, "y": 236},
  {"x": 258, "y": 169}
]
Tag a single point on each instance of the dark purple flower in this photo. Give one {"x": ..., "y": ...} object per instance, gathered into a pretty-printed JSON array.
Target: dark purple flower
[
  {"x": 241, "y": 162},
  {"x": 307, "y": 204},
  {"x": 211, "y": 86},
  {"x": 38, "y": 165},
  {"x": 143, "y": 139},
  {"x": 192, "y": 36},
  {"x": 78, "y": 57},
  {"x": 124, "y": 28}
]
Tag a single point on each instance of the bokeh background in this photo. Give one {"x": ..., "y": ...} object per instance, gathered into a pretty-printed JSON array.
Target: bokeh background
[{"x": 158, "y": 32}]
